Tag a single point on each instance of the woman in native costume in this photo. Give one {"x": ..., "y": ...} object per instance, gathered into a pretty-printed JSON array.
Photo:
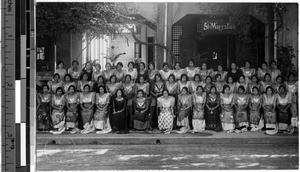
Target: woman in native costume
[
  {"x": 247, "y": 71},
  {"x": 58, "y": 112},
  {"x": 241, "y": 105},
  {"x": 278, "y": 83},
  {"x": 83, "y": 82},
  {"x": 61, "y": 70},
  {"x": 72, "y": 106},
  {"x": 269, "y": 105},
  {"x": 227, "y": 112},
  {"x": 142, "y": 85},
  {"x": 218, "y": 83},
  {"x": 241, "y": 82},
  {"x": 231, "y": 84},
  {"x": 283, "y": 103},
  {"x": 96, "y": 73},
  {"x": 221, "y": 72},
  {"x": 108, "y": 72},
  {"x": 195, "y": 83},
  {"x": 265, "y": 83},
  {"x": 191, "y": 70},
  {"x": 87, "y": 102},
  {"x": 156, "y": 91},
  {"x": 256, "y": 120},
  {"x": 254, "y": 83},
  {"x": 55, "y": 83},
  {"x": 212, "y": 110},
  {"x": 143, "y": 71},
  {"x": 184, "y": 119},
  {"x": 113, "y": 85},
  {"x": 88, "y": 69},
  {"x": 67, "y": 82},
  {"x": 100, "y": 81},
  {"x": 118, "y": 114},
  {"x": 74, "y": 71},
  {"x": 199, "y": 100},
  {"x": 208, "y": 84},
  {"x": 261, "y": 72},
  {"x": 119, "y": 72},
  {"x": 131, "y": 71},
  {"x": 184, "y": 82},
  {"x": 178, "y": 71},
  {"x": 141, "y": 115},
  {"x": 165, "y": 72},
  {"x": 292, "y": 88},
  {"x": 43, "y": 109},
  {"x": 274, "y": 71},
  {"x": 204, "y": 72},
  {"x": 151, "y": 72},
  {"x": 129, "y": 91}
]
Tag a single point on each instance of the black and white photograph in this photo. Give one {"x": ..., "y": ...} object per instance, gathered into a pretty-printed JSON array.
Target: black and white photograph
[{"x": 156, "y": 85}]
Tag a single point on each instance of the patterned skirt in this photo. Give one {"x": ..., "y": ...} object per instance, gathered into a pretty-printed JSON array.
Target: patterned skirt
[
  {"x": 198, "y": 120},
  {"x": 87, "y": 116},
  {"x": 227, "y": 119},
  {"x": 71, "y": 116},
  {"x": 241, "y": 118},
  {"x": 100, "y": 118},
  {"x": 141, "y": 121},
  {"x": 43, "y": 117},
  {"x": 270, "y": 119},
  {"x": 294, "y": 110},
  {"x": 58, "y": 119},
  {"x": 283, "y": 118},
  {"x": 185, "y": 121},
  {"x": 165, "y": 121}
]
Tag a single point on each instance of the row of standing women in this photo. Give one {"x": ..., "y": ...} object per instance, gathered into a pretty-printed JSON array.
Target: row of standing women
[{"x": 155, "y": 103}]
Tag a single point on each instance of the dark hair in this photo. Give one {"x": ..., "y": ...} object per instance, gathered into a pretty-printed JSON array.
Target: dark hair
[
  {"x": 200, "y": 86},
  {"x": 213, "y": 86},
  {"x": 165, "y": 90},
  {"x": 172, "y": 75},
  {"x": 59, "y": 88},
  {"x": 113, "y": 76},
  {"x": 270, "y": 87},
  {"x": 247, "y": 62},
  {"x": 72, "y": 86},
  {"x": 291, "y": 73},
  {"x": 59, "y": 62},
  {"x": 103, "y": 79},
  {"x": 120, "y": 63},
  {"x": 208, "y": 77},
  {"x": 102, "y": 86},
  {"x": 254, "y": 76},
  {"x": 184, "y": 75},
  {"x": 119, "y": 89},
  {"x": 69, "y": 76},
  {"x": 242, "y": 87},
  {"x": 177, "y": 62},
  {"x": 273, "y": 61},
  {"x": 98, "y": 65},
  {"x": 267, "y": 74},
  {"x": 224, "y": 87},
  {"x": 198, "y": 76},
  {"x": 127, "y": 76},
  {"x": 140, "y": 91},
  {"x": 84, "y": 73},
  {"x": 264, "y": 63},
  {"x": 228, "y": 78},
  {"x": 282, "y": 86},
  {"x": 56, "y": 74},
  {"x": 242, "y": 77},
  {"x": 107, "y": 64},
  {"x": 46, "y": 86},
  {"x": 140, "y": 76},
  {"x": 157, "y": 75},
  {"x": 255, "y": 87},
  {"x": 218, "y": 75},
  {"x": 192, "y": 60},
  {"x": 87, "y": 85},
  {"x": 185, "y": 88},
  {"x": 75, "y": 61},
  {"x": 131, "y": 62},
  {"x": 151, "y": 64},
  {"x": 279, "y": 76},
  {"x": 165, "y": 64},
  {"x": 142, "y": 63}
]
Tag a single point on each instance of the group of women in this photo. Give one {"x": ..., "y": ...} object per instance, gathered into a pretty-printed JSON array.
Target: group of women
[{"x": 180, "y": 99}]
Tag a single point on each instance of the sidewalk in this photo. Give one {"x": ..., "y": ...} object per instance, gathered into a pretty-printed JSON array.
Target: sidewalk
[{"x": 137, "y": 137}]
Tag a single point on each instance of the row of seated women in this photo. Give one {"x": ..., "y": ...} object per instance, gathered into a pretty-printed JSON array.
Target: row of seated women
[{"x": 185, "y": 105}]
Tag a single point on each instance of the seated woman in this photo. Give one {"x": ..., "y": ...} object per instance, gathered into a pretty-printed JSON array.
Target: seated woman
[
  {"x": 199, "y": 99},
  {"x": 184, "y": 110},
  {"x": 209, "y": 84},
  {"x": 87, "y": 101},
  {"x": 253, "y": 83},
  {"x": 67, "y": 82},
  {"x": 113, "y": 85},
  {"x": 118, "y": 114},
  {"x": 227, "y": 114},
  {"x": 166, "y": 116},
  {"x": 183, "y": 82},
  {"x": 72, "y": 104},
  {"x": 195, "y": 83},
  {"x": 101, "y": 120},
  {"x": 269, "y": 105},
  {"x": 58, "y": 112},
  {"x": 143, "y": 85},
  {"x": 165, "y": 72},
  {"x": 100, "y": 81},
  {"x": 83, "y": 82},
  {"x": 265, "y": 83},
  {"x": 43, "y": 109},
  {"x": 178, "y": 71},
  {"x": 156, "y": 91},
  {"x": 283, "y": 103},
  {"x": 218, "y": 83},
  {"x": 55, "y": 83},
  {"x": 212, "y": 112},
  {"x": 241, "y": 104},
  {"x": 140, "y": 117},
  {"x": 256, "y": 120}
]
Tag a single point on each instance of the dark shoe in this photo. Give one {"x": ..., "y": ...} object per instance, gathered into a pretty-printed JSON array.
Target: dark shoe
[{"x": 121, "y": 132}]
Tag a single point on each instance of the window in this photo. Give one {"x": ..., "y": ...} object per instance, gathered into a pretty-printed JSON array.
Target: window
[{"x": 176, "y": 34}]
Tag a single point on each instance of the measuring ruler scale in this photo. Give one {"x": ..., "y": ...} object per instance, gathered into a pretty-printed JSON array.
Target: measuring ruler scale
[{"x": 17, "y": 85}]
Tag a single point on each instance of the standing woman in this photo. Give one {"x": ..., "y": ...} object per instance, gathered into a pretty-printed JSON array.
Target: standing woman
[
  {"x": 208, "y": 84},
  {"x": 101, "y": 120},
  {"x": 143, "y": 71},
  {"x": 195, "y": 83},
  {"x": 254, "y": 83},
  {"x": 131, "y": 71},
  {"x": 172, "y": 86},
  {"x": 191, "y": 70},
  {"x": 83, "y": 82},
  {"x": 152, "y": 72},
  {"x": 241, "y": 82},
  {"x": 185, "y": 104},
  {"x": 165, "y": 72},
  {"x": 72, "y": 104},
  {"x": 143, "y": 85},
  {"x": 100, "y": 81},
  {"x": 67, "y": 82},
  {"x": 212, "y": 112},
  {"x": 156, "y": 91},
  {"x": 119, "y": 73},
  {"x": 43, "y": 109},
  {"x": 269, "y": 105},
  {"x": 218, "y": 83},
  {"x": 265, "y": 83},
  {"x": 221, "y": 72},
  {"x": 118, "y": 115},
  {"x": 178, "y": 71},
  {"x": 183, "y": 82},
  {"x": 129, "y": 92},
  {"x": 278, "y": 83},
  {"x": 204, "y": 72},
  {"x": 96, "y": 73},
  {"x": 227, "y": 114},
  {"x": 231, "y": 84},
  {"x": 53, "y": 85},
  {"x": 292, "y": 88},
  {"x": 58, "y": 111},
  {"x": 140, "y": 117},
  {"x": 88, "y": 69},
  {"x": 234, "y": 72},
  {"x": 87, "y": 102},
  {"x": 61, "y": 70},
  {"x": 74, "y": 71},
  {"x": 283, "y": 103},
  {"x": 241, "y": 104},
  {"x": 274, "y": 71},
  {"x": 256, "y": 121},
  {"x": 261, "y": 72},
  {"x": 166, "y": 116},
  {"x": 247, "y": 71},
  {"x": 113, "y": 86},
  {"x": 199, "y": 100},
  {"x": 108, "y": 72}
]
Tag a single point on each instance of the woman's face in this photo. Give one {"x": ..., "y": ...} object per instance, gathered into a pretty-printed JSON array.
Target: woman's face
[
  {"x": 142, "y": 80},
  {"x": 269, "y": 91},
  {"x": 88, "y": 65},
  {"x": 74, "y": 64},
  {"x": 100, "y": 80},
  {"x": 183, "y": 91},
  {"x": 127, "y": 79},
  {"x": 291, "y": 78},
  {"x": 86, "y": 89},
  {"x": 264, "y": 66},
  {"x": 85, "y": 77},
  {"x": 130, "y": 66},
  {"x": 255, "y": 91},
  {"x": 71, "y": 90},
  {"x": 254, "y": 79},
  {"x": 67, "y": 78},
  {"x": 151, "y": 66},
  {"x": 199, "y": 89},
  {"x": 113, "y": 80},
  {"x": 208, "y": 80},
  {"x": 227, "y": 90},
  {"x": 142, "y": 67},
  {"x": 281, "y": 90},
  {"x": 45, "y": 89},
  {"x": 59, "y": 92},
  {"x": 101, "y": 90},
  {"x": 119, "y": 67},
  {"x": 279, "y": 80},
  {"x": 204, "y": 66},
  {"x": 56, "y": 78},
  {"x": 98, "y": 68},
  {"x": 220, "y": 68},
  {"x": 119, "y": 93},
  {"x": 177, "y": 66},
  {"x": 157, "y": 78},
  {"x": 230, "y": 80},
  {"x": 183, "y": 79},
  {"x": 273, "y": 65},
  {"x": 268, "y": 78},
  {"x": 191, "y": 64},
  {"x": 165, "y": 93},
  {"x": 166, "y": 67},
  {"x": 242, "y": 79},
  {"x": 247, "y": 65},
  {"x": 233, "y": 65},
  {"x": 107, "y": 66},
  {"x": 60, "y": 65},
  {"x": 218, "y": 78},
  {"x": 197, "y": 78},
  {"x": 171, "y": 79},
  {"x": 140, "y": 94},
  {"x": 213, "y": 90},
  {"x": 241, "y": 90}
]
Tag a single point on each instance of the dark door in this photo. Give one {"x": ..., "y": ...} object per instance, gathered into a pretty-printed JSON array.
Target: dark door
[{"x": 150, "y": 50}]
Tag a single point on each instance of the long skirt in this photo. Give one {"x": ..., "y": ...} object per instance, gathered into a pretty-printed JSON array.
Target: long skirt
[
  {"x": 283, "y": 118},
  {"x": 184, "y": 123},
  {"x": 241, "y": 118},
  {"x": 58, "y": 119},
  {"x": 141, "y": 121},
  {"x": 118, "y": 121},
  {"x": 256, "y": 120},
  {"x": 294, "y": 111},
  {"x": 198, "y": 120},
  {"x": 43, "y": 117},
  {"x": 165, "y": 121},
  {"x": 100, "y": 119},
  {"x": 212, "y": 119},
  {"x": 227, "y": 119},
  {"x": 87, "y": 116},
  {"x": 71, "y": 117},
  {"x": 271, "y": 122}
]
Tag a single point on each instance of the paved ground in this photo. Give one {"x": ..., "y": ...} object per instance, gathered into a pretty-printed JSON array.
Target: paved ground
[{"x": 138, "y": 151}]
